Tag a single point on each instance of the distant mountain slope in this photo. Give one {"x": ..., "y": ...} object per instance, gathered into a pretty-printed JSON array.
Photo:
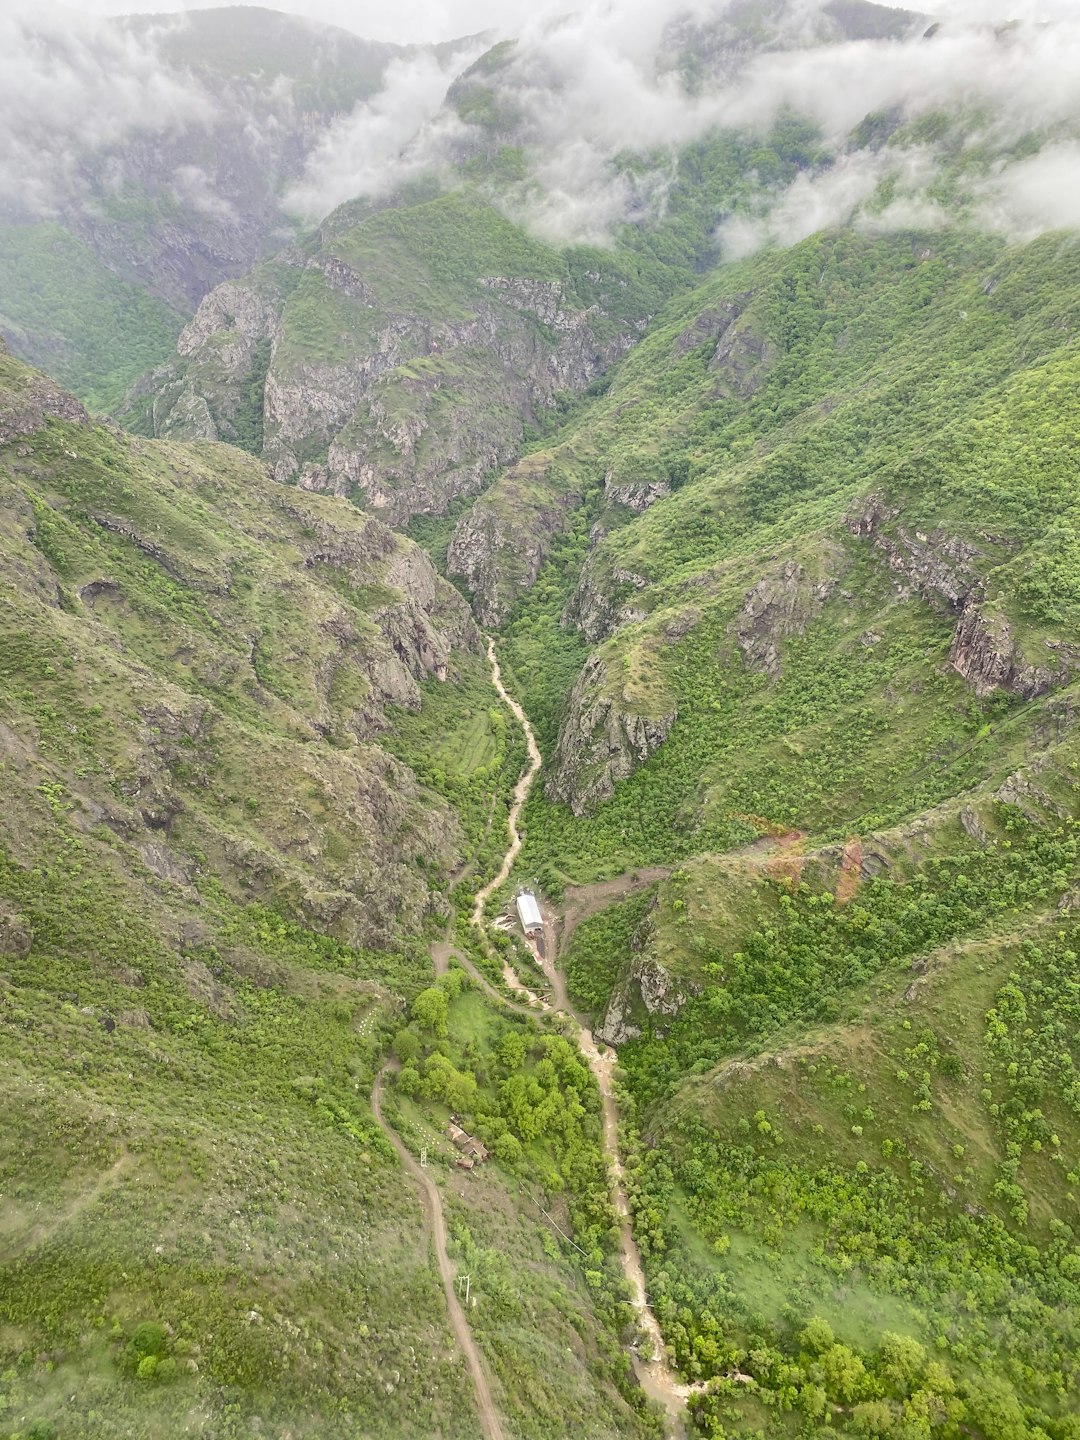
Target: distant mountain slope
[
  {"x": 137, "y": 213},
  {"x": 794, "y": 606},
  {"x": 399, "y": 357}
]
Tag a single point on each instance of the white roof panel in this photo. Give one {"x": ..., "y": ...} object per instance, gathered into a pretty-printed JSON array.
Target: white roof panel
[{"x": 529, "y": 911}]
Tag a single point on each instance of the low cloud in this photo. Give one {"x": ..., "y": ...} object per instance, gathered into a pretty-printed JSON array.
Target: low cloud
[
  {"x": 386, "y": 140},
  {"x": 1034, "y": 195},
  {"x": 71, "y": 87},
  {"x": 586, "y": 88}
]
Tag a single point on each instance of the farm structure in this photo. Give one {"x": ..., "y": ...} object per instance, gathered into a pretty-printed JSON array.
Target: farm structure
[
  {"x": 528, "y": 908},
  {"x": 473, "y": 1152}
]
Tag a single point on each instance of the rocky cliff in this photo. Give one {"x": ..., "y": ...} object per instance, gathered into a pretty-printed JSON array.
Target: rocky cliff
[
  {"x": 602, "y": 740},
  {"x": 499, "y": 546},
  {"x": 944, "y": 569},
  {"x": 229, "y": 651},
  {"x": 403, "y": 385},
  {"x": 645, "y": 995},
  {"x": 783, "y": 603}
]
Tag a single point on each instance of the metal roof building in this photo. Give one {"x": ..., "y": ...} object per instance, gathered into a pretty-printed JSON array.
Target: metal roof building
[{"x": 529, "y": 913}]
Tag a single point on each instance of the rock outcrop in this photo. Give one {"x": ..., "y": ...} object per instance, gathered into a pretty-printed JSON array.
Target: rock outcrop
[
  {"x": 985, "y": 652},
  {"x": 645, "y": 994},
  {"x": 942, "y": 569},
  {"x": 636, "y": 493},
  {"x": 781, "y": 604},
  {"x": 497, "y": 550},
  {"x": 601, "y": 741},
  {"x": 399, "y": 402},
  {"x": 16, "y": 938},
  {"x": 30, "y": 400},
  {"x": 605, "y": 599}
]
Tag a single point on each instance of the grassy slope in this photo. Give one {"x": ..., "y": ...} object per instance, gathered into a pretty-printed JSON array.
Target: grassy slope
[
  {"x": 66, "y": 312},
  {"x": 823, "y": 1136},
  {"x": 884, "y": 390},
  {"x": 200, "y": 1222}
]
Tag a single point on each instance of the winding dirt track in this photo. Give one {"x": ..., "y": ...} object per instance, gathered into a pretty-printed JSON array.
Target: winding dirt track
[
  {"x": 521, "y": 791},
  {"x": 435, "y": 1226},
  {"x": 655, "y": 1376}
]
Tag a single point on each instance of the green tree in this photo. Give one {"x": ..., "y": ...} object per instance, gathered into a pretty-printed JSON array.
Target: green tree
[
  {"x": 507, "y": 1149},
  {"x": 431, "y": 1010},
  {"x": 407, "y": 1046}
]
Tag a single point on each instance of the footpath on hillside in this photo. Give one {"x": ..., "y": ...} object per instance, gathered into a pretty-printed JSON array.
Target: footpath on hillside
[{"x": 655, "y": 1375}]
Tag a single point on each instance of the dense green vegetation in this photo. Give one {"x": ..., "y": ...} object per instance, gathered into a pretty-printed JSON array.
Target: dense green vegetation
[
  {"x": 854, "y": 1181},
  {"x": 528, "y": 1095},
  {"x": 65, "y": 311}
]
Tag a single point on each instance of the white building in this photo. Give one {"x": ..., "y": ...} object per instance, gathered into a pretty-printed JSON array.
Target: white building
[{"x": 532, "y": 922}]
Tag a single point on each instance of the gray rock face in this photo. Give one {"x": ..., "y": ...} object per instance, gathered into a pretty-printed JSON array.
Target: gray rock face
[
  {"x": 416, "y": 634},
  {"x": 234, "y": 317},
  {"x": 938, "y": 566},
  {"x": 498, "y": 550},
  {"x": 199, "y": 395},
  {"x": 416, "y": 409},
  {"x": 645, "y": 992},
  {"x": 741, "y": 358},
  {"x": 408, "y": 439},
  {"x": 600, "y": 742},
  {"x": 941, "y": 568},
  {"x": 779, "y": 605},
  {"x": 603, "y": 601},
  {"x": 986, "y": 654},
  {"x": 741, "y": 361},
  {"x": 25, "y": 410}
]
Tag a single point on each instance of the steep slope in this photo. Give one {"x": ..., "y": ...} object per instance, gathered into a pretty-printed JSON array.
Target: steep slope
[
  {"x": 219, "y": 875},
  {"x": 805, "y": 633},
  {"x": 801, "y": 419},
  {"x": 105, "y": 252},
  {"x": 234, "y": 630},
  {"x": 399, "y": 357}
]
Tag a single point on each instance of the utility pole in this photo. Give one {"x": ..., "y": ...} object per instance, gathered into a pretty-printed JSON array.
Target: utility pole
[
  {"x": 468, "y": 1286},
  {"x": 423, "y": 1156}
]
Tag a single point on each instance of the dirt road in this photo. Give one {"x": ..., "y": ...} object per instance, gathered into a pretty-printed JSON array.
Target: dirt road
[
  {"x": 435, "y": 1227},
  {"x": 657, "y": 1378},
  {"x": 521, "y": 791}
]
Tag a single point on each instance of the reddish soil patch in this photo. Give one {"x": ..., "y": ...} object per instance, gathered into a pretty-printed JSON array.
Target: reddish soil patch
[
  {"x": 850, "y": 876},
  {"x": 787, "y": 858}
]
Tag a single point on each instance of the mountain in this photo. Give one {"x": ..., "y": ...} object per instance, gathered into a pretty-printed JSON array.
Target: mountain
[
  {"x": 658, "y": 493},
  {"x": 796, "y": 621},
  {"x": 165, "y": 181},
  {"x": 220, "y": 869},
  {"x": 399, "y": 358},
  {"x": 413, "y": 346}
]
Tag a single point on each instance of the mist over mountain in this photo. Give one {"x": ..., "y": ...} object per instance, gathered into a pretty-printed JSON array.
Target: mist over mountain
[
  {"x": 539, "y": 696},
  {"x": 170, "y": 141}
]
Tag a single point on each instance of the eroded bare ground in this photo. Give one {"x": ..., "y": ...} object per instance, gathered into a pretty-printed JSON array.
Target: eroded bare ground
[
  {"x": 582, "y": 902},
  {"x": 655, "y": 1375}
]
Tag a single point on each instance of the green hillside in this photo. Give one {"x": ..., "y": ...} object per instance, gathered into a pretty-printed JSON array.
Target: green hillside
[
  {"x": 61, "y": 308},
  {"x": 804, "y": 635},
  {"x": 733, "y": 606},
  {"x": 247, "y": 742}
]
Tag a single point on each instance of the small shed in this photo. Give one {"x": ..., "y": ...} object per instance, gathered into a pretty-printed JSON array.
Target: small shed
[
  {"x": 528, "y": 908},
  {"x": 472, "y": 1150}
]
